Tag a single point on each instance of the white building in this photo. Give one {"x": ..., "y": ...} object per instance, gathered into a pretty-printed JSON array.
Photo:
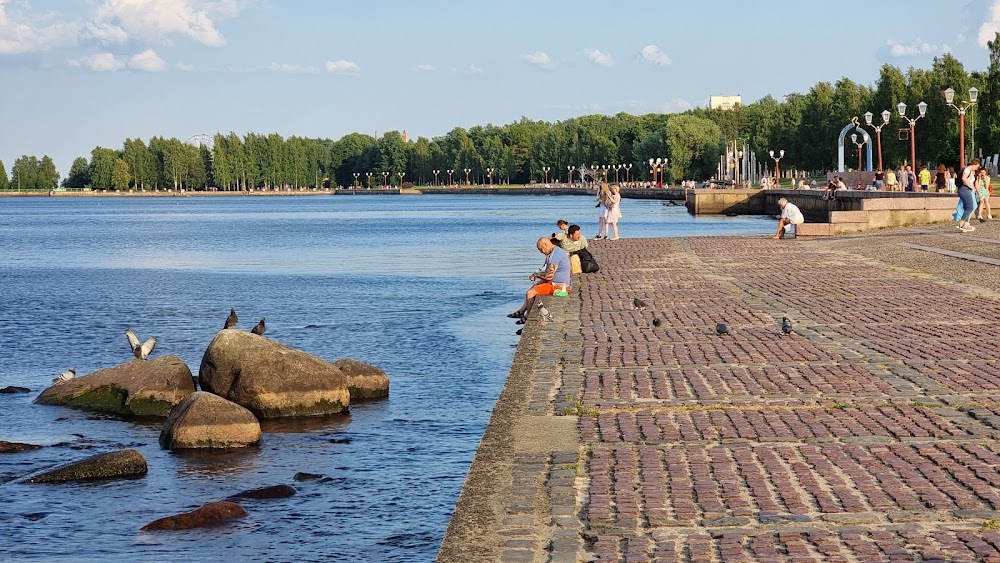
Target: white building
[{"x": 724, "y": 102}]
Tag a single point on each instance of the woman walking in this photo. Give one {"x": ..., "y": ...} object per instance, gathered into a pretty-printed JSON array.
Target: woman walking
[
  {"x": 941, "y": 179},
  {"x": 614, "y": 210},
  {"x": 603, "y": 197},
  {"x": 967, "y": 183},
  {"x": 950, "y": 185}
]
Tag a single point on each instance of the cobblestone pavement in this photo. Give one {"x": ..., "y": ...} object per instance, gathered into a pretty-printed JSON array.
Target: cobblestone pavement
[{"x": 868, "y": 434}]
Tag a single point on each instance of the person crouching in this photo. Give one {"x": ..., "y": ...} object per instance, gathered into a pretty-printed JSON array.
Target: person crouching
[{"x": 790, "y": 215}]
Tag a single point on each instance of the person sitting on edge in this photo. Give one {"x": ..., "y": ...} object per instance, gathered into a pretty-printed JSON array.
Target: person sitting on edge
[
  {"x": 555, "y": 274},
  {"x": 790, "y": 215},
  {"x": 573, "y": 241},
  {"x": 562, "y": 225}
]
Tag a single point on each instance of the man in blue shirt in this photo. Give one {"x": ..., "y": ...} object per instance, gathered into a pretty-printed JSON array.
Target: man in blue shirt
[{"x": 553, "y": 276}]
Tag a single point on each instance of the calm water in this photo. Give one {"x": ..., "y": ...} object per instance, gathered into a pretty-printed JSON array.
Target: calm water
[{"x": 416, "y": 285}]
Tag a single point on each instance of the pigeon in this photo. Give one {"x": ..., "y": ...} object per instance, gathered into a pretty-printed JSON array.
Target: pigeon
[
  {"x": 721, "y": 328},
  {"x": 545, "y": 314},
  {"x": 639, "y": 303},
  {"x": 786, "y": 325},
  {"x": 656, "y": 321},
  {"x": 140, "y": 351},
  {"x": 65, "y": 376},
  {"x": 259, "y": 329},
  {"x": 231, "y": 319}
]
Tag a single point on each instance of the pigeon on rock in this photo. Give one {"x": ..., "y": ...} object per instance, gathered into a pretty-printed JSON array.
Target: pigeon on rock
[
  {"x": 140, "y": 351},
  {"x": 721, "y": 329},
  {"x": 260, "y": 328},
  {"x": 639, "y": 303},
  {"x": 786, "y": 325},
  {"x": 65, "y": 376},
  {"x": 231, "y": 319}
]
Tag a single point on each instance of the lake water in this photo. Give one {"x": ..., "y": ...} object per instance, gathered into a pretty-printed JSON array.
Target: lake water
[{"x": 416, "y": 285}]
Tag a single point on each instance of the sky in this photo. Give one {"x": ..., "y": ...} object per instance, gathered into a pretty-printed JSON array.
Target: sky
[{"x": 77, "y": 74}]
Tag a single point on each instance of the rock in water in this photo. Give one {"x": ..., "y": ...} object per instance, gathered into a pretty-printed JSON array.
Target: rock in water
[
  {"x": 204, "y": 420},
  {"x": 270, "y": 379},
  {"x": 123, "y": 463},
  {"x": 14, "y": 389},
  {"x": 274, "y": 491},
  {"x": 142, "y": 388},
  {"x": 10, "y": 447},
  {"x": 208, "y": 514},
  {"x": 363, "y": 380}
]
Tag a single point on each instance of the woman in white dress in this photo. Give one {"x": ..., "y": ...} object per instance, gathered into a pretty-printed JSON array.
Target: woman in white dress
[
  {"x": 603, "y": 197},
  {"x": 614, "y": 211}
]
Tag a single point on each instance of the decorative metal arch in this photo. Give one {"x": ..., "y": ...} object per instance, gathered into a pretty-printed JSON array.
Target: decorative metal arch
[
  {"x": 201, "y": 139},
  {"x": 840, "y": 145}
]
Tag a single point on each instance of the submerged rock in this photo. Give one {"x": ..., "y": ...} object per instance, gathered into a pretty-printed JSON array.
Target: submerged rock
[
  {"x": 270, "y": 379},
  {"x": 208, "y": 514},
  {"x": 123, "y": 463},
  {"x": 10, "y": 447},
  {"x": 274, "y": 491},
  {"x": 363, "y": 380},
  {"x": 302, "y": 476},
  {"x": 204, "y": 420},
  {"x": 139, "y": 387},
  {"x": 10, "y": 389}
]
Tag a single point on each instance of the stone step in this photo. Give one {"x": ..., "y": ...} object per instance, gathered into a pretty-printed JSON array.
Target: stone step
[{"x": 848, "y": 216}]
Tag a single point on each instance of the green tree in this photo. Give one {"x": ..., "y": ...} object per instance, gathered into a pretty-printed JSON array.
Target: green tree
[
  {"x": 4, "y": 181},
  {"x": 79, "y": 174},
  {"x": 48, "y": 176},
  {"x": 695, "y": 144},
  {"x": 988, "y": 112},
  {"x": 102, "y": 164},
  {"x": 25, "y": 175},
  {"x": 120, "y": 176},
  {"x": 140, "y": 161}
]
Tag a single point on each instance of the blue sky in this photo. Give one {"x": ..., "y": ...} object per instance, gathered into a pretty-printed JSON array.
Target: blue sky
[{"x": 84, "y": 73}]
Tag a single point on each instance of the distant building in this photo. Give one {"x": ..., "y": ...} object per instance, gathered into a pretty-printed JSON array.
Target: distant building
[
  {"x": 404, "y": 135},
  {"x": 724, "y": 102}
]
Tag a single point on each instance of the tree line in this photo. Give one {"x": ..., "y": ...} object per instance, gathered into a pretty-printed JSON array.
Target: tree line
[{"x": 805, "y": 126}]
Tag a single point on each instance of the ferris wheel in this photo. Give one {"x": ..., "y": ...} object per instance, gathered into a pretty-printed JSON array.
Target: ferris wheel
[{"x": 201, "y": 139}]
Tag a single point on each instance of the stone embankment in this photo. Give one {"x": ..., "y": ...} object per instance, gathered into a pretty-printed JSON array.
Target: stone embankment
[{"x": 868, "y": 434}]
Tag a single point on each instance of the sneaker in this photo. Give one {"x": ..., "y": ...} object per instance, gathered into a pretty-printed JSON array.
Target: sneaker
[{"x": 968, "y": 229}]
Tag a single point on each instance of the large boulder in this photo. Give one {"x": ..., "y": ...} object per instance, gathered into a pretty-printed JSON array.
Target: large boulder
[
  {"x": 204, "y": 420},
  {"x": 139, "y": 387},
  {"x": 10, "y": 447},
  {"x": 208, "y": 514},
  {"x": 122, "y": 463},
  {"x": 270, "y": 379},
  {"x": 364, "y": 381}
]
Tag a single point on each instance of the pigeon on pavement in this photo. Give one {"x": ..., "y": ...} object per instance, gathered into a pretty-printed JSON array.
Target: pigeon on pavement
[
  {"x": 656, "y": 321},
  {"x": 721, "y": 329},
  {"x": 140, "y": 351},
  {"x": 231, "y": 319},
  {"x": 639, "y": 303},
  {"x": 786, "y": 325}
]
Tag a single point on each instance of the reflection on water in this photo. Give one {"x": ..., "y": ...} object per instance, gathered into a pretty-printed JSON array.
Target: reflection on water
[{"x": 417, "y": 286}]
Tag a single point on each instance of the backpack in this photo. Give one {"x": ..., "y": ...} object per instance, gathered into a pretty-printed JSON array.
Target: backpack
[{"x": 588, "y": 264}]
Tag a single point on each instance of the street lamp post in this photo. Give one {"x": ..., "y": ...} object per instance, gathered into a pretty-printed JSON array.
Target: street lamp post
[
  {"x": 854, "y": 139},
  {"x": 401, "y": 174},
  {"x": 617, "y": 168},
  {"x": 467, "y": 170},
  {"x": 489, "y": 174},
  {"x": 546, "y": 169},
  {"x": 569, "y": 174},
  {"x": 878, "y": 131},
  {"x": 901, "y": 108},
  {"x": 605, "y": 168},
  {"x": 738, "y": 156},
  {"x": 777, "y": 174},
  {"x": 356, "y": 176},
  {"x": 628, "y": 167},
  {"x": 369, "y": 174},
  {"x": 385, "y": 179},
  {"x": 949, "y": 98},
  {"x": 450, "y": 183}
]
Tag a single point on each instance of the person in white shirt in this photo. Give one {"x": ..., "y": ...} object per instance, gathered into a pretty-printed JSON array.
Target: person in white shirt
[{"x": 790, "y": 215}]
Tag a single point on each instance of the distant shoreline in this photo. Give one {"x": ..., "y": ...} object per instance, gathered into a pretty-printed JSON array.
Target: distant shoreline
[{"x": 644, "y": 193}]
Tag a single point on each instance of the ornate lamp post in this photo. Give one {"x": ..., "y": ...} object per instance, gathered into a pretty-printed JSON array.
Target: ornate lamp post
[
  {"x": 901, "y": 108},
  {"x": 569, "y": 174},
  {"x": 467, "y": 170},
  {"x": 628, "y": 168},
  {"x": 356, "y": 176},
  {"x": 385, "y": 179},
  {"x": 854, "y": 139},
  {"x": 401, "y": 174},
  {"x": 617, "y": 167},
  {"x": 878, "y": 131},
  {"x": 436, "y": 172},
  {"x": 949, "y": 98},
  {"x": 777, "y": 175},
  {"x": 605, "y": 168},
  {"x": 369, "y": 174},
  {"x": 736, "y": 168},
  {"x": 489, "y": 174},
  {"x": 546, "y": 169},
  {"x": 450, "y": 183}
]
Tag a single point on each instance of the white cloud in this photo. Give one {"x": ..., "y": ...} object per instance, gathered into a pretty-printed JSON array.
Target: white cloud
[
  {"x": 293, "y": 69},
  {"x": 918, "y": 47},
  {"x": 100, "y": 62},
  {"x": 989, "y": 28},
  {"x": 155, "y": 20},
  {"x": 148, "y": 61},
  {"x": 343, "y": 67},
  {"x": 599, "y": 58},
  {"x": 538, "y": 58},
  {"x": 425, "y": 68},
  {"x": 473, "y": 69},
  {"x": 653, "y": 54},
  {"x": 20, "y": 34}
]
